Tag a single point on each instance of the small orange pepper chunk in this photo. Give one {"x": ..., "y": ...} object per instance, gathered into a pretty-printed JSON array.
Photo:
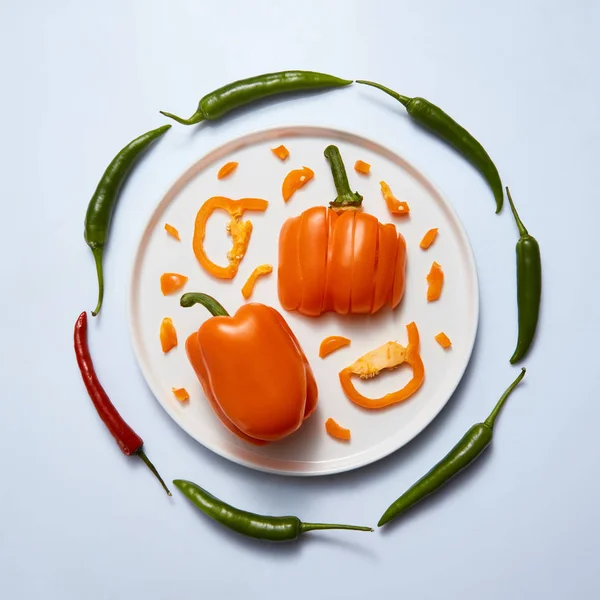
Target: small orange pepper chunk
[
  {"x": 443, "y": 340},
  {"x": 428, "y": 239},
  {"x": 251, "y": 282},
  {"x": 360, "y": 166},
  {"x": 168, "y": 335},
  {"x": 388, "y": 356},
  {"x": 335, "y": 430},
  {"x": 172, "y": 231},
  {"x": 331, "y": 344},
  {"x": 435, "y": 279},
  {"x": 181, "y": 394},
  {"x": 171, "y": 283},
  {"x": 281, "y": 152},
  {"x": 240, "y": 232},
  {"x": 295, "y": 180},
  {"x": 227, "y": 169},
  {"x": 395, "y": 206}
]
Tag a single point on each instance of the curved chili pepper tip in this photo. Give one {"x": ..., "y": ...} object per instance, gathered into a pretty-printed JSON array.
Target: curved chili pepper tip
[
  {"x": 97, "y": 252},
  {"x": 149, "y": 464},
  {"x": 404, "y": 100},
  {"x": 197, "y": 117},
  {"x": 304, "y": 527}
]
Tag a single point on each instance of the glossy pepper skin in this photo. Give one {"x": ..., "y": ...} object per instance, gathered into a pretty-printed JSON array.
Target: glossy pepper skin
[
  {"x": 262, "y": 527},
  {"x": 529, "y": 286},
  {"x": 252, "y": 369},
  {"x": 236, "y": 94},
  {"x": 340, "y": 259},
  {"x": 445, "y": 127},
  {"x": 100, "y": 208},
  {"x": 472, "y": 444}
]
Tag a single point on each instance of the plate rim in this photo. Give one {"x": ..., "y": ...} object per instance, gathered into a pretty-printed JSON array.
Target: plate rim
[{"x": 271, "y": 133}]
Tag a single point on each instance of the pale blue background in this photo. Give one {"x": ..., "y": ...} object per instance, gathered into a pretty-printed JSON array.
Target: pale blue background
[{"x": 79, "y": 80}]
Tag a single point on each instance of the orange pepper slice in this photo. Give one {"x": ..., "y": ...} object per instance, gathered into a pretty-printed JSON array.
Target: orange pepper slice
[
  {"x": 168, "y": 335},
  {"x": 360, "y": 166},
  {"x": 295, "y": 180},
  {"x": 388, "y": 356},
  {"x": 394, "y": 205},
  {"x": 331, "y": 344},
  {"x": 435, "y": 279},
  {"x": 428, "y": 239},
  {"x": 171, "y": 283},
  {"x": 240, "y": 232},
  {"x": 335, "y": 430},
  {"x": 181, "y": 394},
  {"x": 443, "y": 340},
  {"x": 227, "y": 169},
  {"x": 172, "y": 231},
  {"x": 251, "y": 282},
  {"x": 281, "y": 152}
]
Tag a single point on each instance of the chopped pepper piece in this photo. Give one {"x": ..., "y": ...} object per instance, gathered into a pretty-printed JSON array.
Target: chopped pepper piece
[
  {"x": 181, "y": 394},
  {"x": 335, "y": 430},
  {"x": 395, "y": 206},
  {"x": 172, "y": 231},
  {"x": 360, "y": 166},
  {"x": 443, "y": 340},
  {"x": 294, "y": 180},
  {"x": 171, "y": 283},
  {"x": 258, "y": 272},
  {"x": 388, "y": 356},
  {"x": 435, "y": 279},
  {"x": 168, "y": 335},
  {"x": 428, "y": 239},
  {"x": 240, "y": 231},
  {"x": 227, "y": 169},
  {"x": 281, "y": 152},
  {"x": 331, "y": 344}
]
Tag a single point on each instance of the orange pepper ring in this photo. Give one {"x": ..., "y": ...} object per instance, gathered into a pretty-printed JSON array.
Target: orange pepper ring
[
  {"x": 413, "y": 358},
  {"x": 235, "y": 208}
]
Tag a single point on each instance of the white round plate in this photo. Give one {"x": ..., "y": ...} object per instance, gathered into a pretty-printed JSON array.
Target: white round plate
[{"x": 375, "y": 433}]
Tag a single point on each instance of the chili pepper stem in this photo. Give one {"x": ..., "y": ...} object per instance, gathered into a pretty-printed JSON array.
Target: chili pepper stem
[
  {"x": 214, "y": 307},
  {"x": 522, "y": 229},
  {"x": 304, "y": 527},
  {"x": 149, "y": 464},
  {"x": 346, "y": 198},
  {"x": 402, "y": 99},
  {"x": 492, "y": 418},
  {"x": 97, "y": 252},
  {"x": 195, "y": 118}
]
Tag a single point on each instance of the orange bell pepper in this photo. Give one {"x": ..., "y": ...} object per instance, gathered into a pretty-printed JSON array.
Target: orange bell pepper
[
  {"x": 281, "y": 152},
  {"x": 294, "y": 180},
  {"x": 227, "y": 169},
  {"x": 260, "y": 271},
  {"x": 395, "y": 206},
  {"x": 360, "y": 166},
  {"x": 181, "y": 394},
  {"x": 172, "y": 231},
  {"x": 388, "y": 356},
  {"x": 240, "y": 231},
  {"x": 252, "y": 369},
  {"x": 171, "y": 283},
  {"x": 443, "y": 340},
  {"x": 168, "y": 335},
  {"x": 428, "y": 239},
  {"x": 435, "y": 279},
  {"x": 335, "y": 430},
  {"x": 331, "y": 344}
]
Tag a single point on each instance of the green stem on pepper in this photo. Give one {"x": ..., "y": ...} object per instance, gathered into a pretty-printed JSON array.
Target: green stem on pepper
[
  {"x": 345, "y": 198},
  {"x": 213, "y": 307}
]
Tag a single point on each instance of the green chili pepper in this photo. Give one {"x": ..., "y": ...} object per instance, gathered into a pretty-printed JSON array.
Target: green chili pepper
[
  {"x": 445, "y": 127},
  {"x": 345, "y": 197},
  {"x": 101, "y": 206},
  {"x": 236, "y": 94},
  {"x": 529, "y": 286},
  {"x": 472, "y": 444},
  {"x": 276, "y": 529}
]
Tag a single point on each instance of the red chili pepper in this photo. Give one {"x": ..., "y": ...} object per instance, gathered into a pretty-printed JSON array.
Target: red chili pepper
[{"x": 129, "y": 441}]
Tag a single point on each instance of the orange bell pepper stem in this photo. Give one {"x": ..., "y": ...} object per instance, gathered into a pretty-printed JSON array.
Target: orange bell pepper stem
[
  {"x": 388, "y": 356},
  {"x": 395, "y": 206},
  {"x": 428, "y": 239},
  {"x": 227, "y": 169},
  {"x": 435, "y": 279},
  {"x": 260, "y": 271},
  {"x": 335, "y": 430},
  {"x": 331, "y": 344},
  {"x": 295, "y": 180},
  {"x": 240, "y": 231}
]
